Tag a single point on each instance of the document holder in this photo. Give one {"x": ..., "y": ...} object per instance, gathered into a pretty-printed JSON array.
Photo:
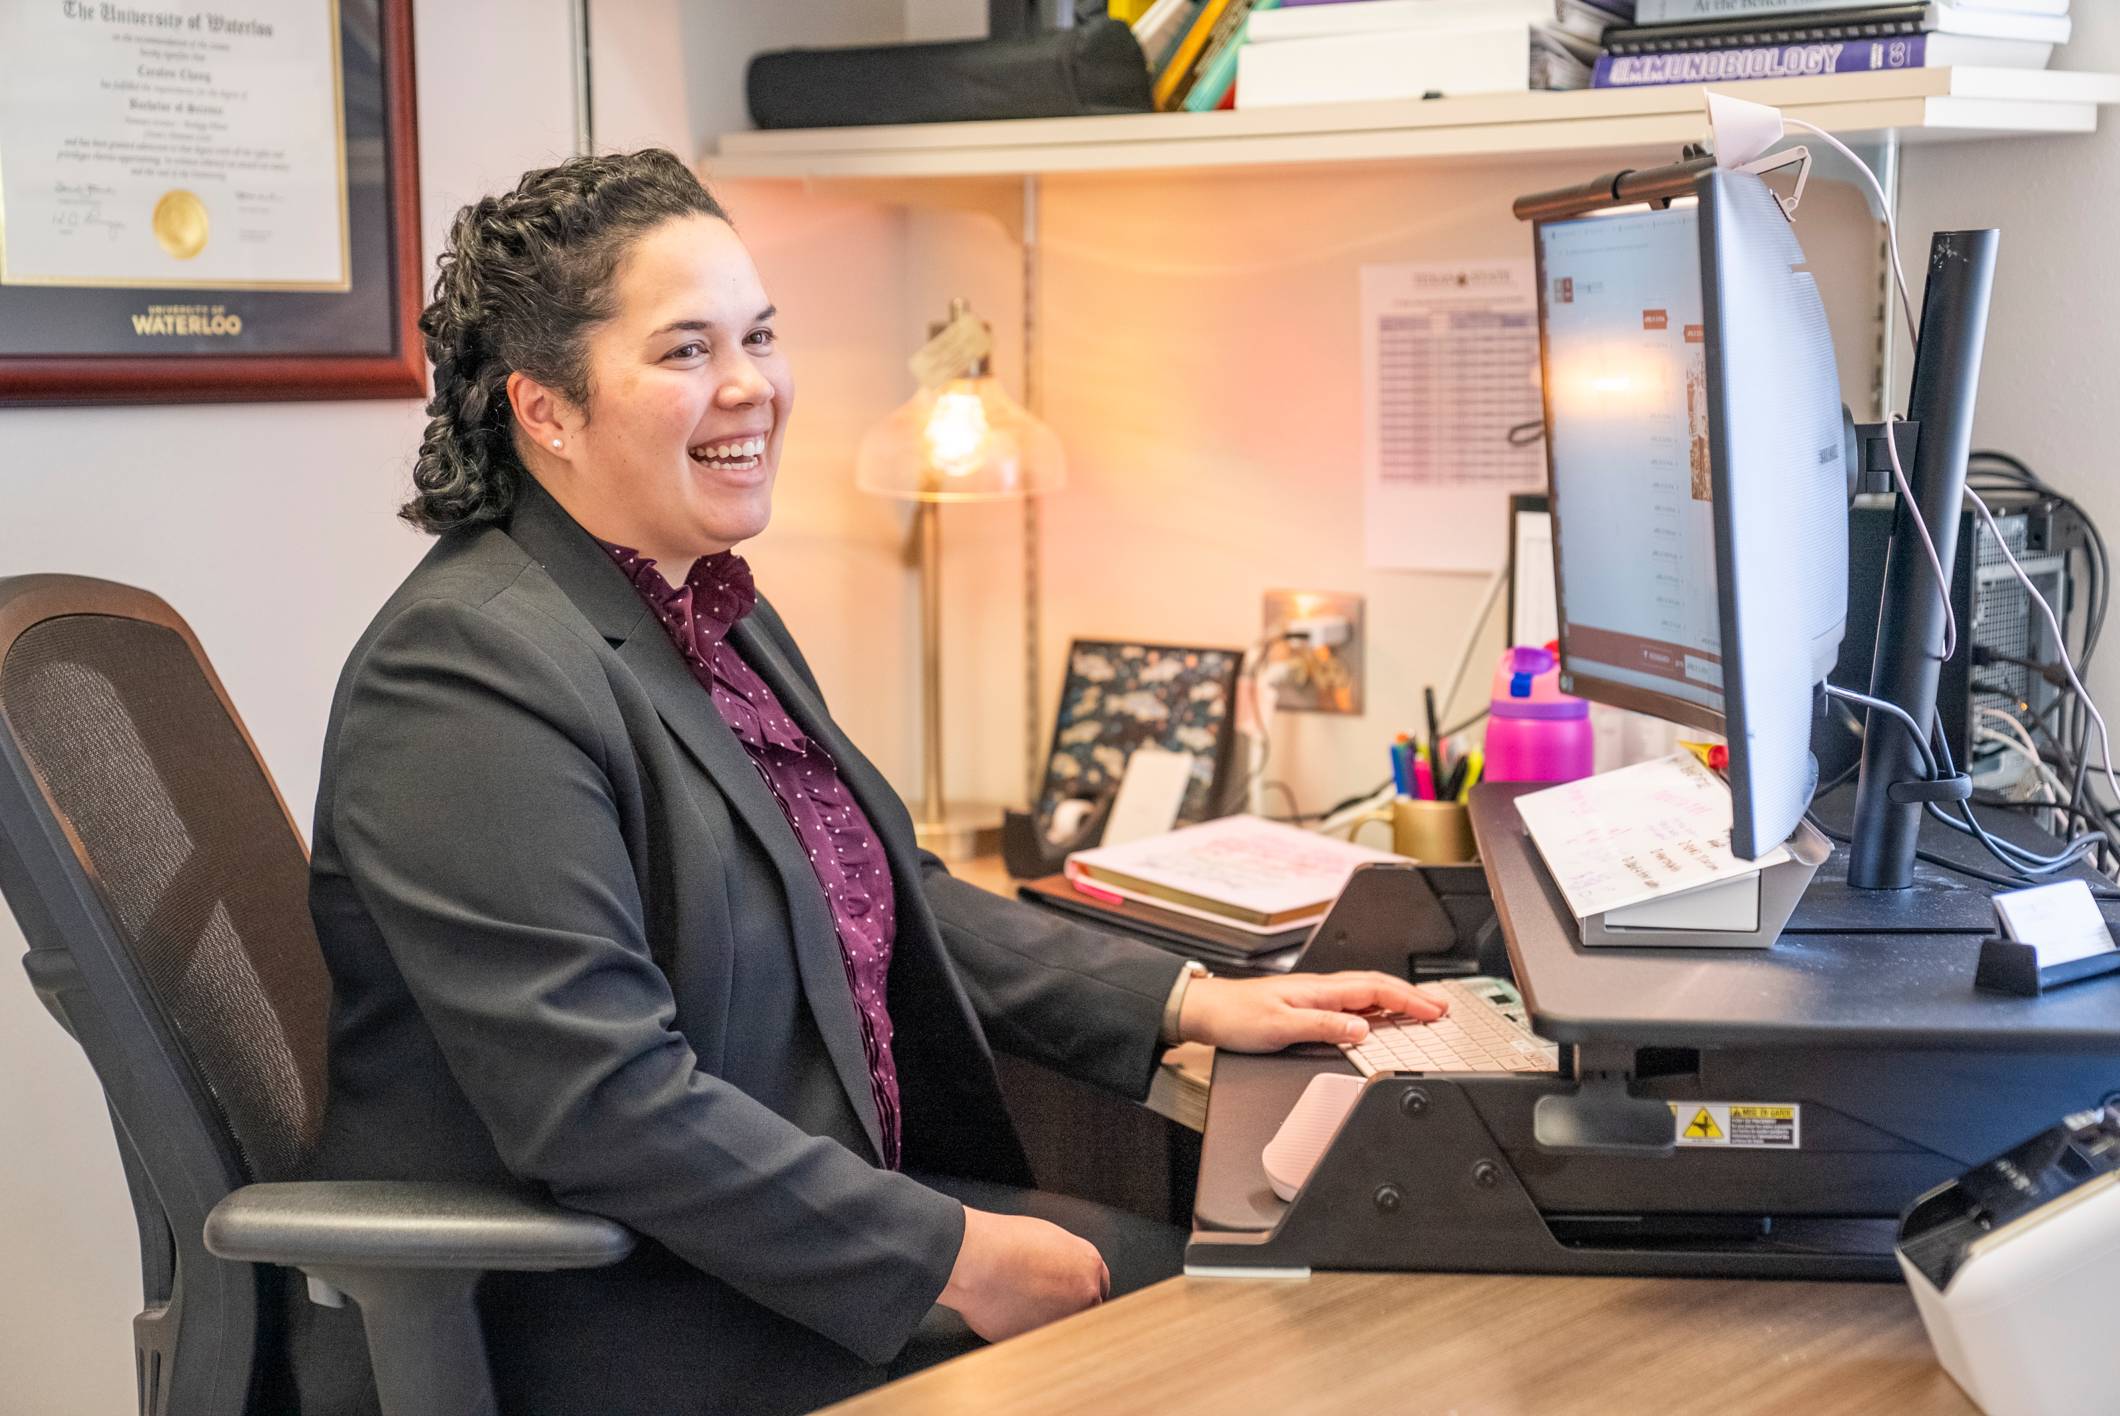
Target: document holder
[{"x": 1747, "y": 913}]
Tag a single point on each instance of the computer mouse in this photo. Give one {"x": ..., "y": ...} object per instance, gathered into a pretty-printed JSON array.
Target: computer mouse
[{"x": 1307, "y": 1129}]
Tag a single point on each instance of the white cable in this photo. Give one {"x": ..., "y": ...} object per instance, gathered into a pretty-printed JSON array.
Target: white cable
[
  {"x": 1248, "y": 670},
  {"x": 1339, "y": 820},
  {"x": 1472, "y": 640},
  {"x": 1891, "y": 442},
  {"x": 2018, "y": 734},
  {"x": 2041, "y": 775},
  {"x": 2105, "y": 746},
  {"x": 1906, "y": 299},
  {"x": 2037, "y": 786}
]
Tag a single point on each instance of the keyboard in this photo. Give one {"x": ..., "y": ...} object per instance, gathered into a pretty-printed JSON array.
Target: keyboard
[{"x": 1484, "y": 1031}]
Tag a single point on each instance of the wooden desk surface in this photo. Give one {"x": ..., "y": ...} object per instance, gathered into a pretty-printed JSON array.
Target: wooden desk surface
[
  {"x": 1480, "y": 1344},
  {"x": 1484, "y": 1345}
]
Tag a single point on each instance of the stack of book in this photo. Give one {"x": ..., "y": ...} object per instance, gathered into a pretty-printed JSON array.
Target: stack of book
[
  {"x": 1268, "y": 53},
  {"x": 1236, "y": 892},
  {"x": 1721, "y": 41}
]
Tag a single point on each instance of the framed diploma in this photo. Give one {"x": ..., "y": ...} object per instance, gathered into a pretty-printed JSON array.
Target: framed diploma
[{"x": 207, "y": 200}]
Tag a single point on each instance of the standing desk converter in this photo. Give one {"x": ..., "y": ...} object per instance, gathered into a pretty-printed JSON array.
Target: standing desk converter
[{"x": 1862, "y": 1018}]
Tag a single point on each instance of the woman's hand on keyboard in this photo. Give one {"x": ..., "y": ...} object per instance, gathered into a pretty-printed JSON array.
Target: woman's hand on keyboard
[{"x": 1267, "y": 1014}]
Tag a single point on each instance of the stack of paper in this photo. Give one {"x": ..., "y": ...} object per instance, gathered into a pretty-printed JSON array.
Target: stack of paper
[{"x": 1392, "y": 49}]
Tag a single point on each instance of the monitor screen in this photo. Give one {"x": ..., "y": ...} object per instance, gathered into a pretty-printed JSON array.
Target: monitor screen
[
  {"x": 1697, "y": 453},
  {"x": 1627, "y": 415}
]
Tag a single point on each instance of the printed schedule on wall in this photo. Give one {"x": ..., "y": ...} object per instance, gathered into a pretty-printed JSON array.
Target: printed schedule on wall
[{"x": 1450, "y": 365}]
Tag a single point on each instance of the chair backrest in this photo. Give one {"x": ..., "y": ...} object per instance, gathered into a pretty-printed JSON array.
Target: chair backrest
[{"x": 163, "y": 889}]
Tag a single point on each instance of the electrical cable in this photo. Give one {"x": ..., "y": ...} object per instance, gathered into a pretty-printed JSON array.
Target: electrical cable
[
  {"x": 1946, "y": 863},
  {"x": 1891, "y": 442},
  {"x": 1472, "y": 637},
  {"x": 2013, "y": 857},
  {"x": 2060, "y": 643},
  {"x": 1472, "y": 722},
  {"x": 1248, "y": 680},
  {"x": 1906, "y": 719}
]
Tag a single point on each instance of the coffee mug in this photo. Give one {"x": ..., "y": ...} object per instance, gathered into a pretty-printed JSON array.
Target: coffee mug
[{"x": 1439, "y": 832}]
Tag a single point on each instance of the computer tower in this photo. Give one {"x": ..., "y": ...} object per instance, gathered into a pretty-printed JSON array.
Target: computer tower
[{"x": 2000, "y": 631}]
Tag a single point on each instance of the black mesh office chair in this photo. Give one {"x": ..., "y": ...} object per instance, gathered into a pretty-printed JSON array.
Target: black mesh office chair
[{"x": 163, "y": 889}]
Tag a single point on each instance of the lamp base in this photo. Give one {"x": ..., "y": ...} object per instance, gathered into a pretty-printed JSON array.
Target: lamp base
[{"x": 965, "y": 832}]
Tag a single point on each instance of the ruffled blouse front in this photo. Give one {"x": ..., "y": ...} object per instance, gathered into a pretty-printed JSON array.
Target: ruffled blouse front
[{"x": 842, "y": 846}]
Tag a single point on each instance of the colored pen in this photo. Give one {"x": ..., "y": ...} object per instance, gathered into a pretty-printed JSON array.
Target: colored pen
[
  {"x": 1401, "y": 773},
  {"x": 1423, "y": 779},
  {"x": 1435, "y": 730},
  {"x": 1712, "y": 755},
  {"x": 1473, "y": 763}
]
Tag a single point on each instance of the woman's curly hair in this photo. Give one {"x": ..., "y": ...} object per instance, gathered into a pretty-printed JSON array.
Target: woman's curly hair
[{"x": 524, "y": 278}]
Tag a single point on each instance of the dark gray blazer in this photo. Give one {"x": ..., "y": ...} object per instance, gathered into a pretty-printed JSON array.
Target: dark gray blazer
[{"x": 574, "y": 941}]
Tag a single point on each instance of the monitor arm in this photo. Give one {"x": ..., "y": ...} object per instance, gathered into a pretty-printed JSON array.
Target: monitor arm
[
  {"x": 1869, "y": 461},
  {"x": 1893, "y": 787}
]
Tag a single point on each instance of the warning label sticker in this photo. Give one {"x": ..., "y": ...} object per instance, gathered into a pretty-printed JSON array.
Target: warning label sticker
[{"x": 1740, "y": 1125}]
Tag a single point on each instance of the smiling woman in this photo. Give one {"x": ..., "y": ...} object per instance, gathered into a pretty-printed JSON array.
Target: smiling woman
[
  {"x": 527, "y": 279},
  {"x": 613, "y": 908},
  {"x": 690, "y": 397}
]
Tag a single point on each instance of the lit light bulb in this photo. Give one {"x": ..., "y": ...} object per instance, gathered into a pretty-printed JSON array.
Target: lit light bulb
[
  {"x": 957, "y": 431},
  {"x": 965, "y": 441}
]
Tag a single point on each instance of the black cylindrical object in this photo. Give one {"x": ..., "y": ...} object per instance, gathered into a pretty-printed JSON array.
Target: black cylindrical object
[{"x": 1954, "y": 314}]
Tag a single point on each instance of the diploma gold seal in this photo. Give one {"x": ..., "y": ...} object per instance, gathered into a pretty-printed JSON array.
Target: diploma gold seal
[{"x": 180, "y": 223}]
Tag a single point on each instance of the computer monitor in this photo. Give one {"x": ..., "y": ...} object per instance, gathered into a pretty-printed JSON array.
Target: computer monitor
[{"x": 1696, "y": 454}]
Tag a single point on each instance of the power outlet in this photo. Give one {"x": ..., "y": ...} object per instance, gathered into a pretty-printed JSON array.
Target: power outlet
[{"x": 1313, "y": 678}]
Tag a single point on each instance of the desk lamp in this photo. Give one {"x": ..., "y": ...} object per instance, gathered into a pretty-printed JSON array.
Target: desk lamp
[{"x": 961, "y": 438}]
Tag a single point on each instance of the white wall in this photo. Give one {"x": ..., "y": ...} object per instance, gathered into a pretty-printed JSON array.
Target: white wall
[
  {"x": 670, "y": 72},
  {"x": 2048, "y": 378},
  {"x": 270, "y": 527},
  {"x": 945, "y": 19},
  {"x": 223, "y": 509}
]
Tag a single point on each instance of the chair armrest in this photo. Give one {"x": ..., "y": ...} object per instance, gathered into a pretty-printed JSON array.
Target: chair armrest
[{"x": 408, "y": 1224}]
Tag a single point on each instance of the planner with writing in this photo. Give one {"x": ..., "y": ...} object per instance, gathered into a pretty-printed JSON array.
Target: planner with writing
[{"x": 1259, "y": 876}]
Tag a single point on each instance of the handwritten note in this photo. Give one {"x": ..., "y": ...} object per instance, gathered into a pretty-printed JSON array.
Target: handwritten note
[{"x": 1645, "y": 832}]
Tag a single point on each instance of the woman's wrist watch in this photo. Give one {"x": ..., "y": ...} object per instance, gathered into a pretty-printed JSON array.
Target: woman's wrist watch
[{"x": 1175, "y": 1004}]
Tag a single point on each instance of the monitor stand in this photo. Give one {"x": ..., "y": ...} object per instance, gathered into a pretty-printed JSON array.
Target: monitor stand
[{"x": 1937, "y": 901}]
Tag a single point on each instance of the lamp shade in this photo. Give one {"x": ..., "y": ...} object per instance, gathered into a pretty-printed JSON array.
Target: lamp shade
[{"x": 964, "y": 441}]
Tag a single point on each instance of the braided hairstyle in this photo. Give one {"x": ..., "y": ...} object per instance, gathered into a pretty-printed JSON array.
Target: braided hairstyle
[{"x": 524, "y": 278}]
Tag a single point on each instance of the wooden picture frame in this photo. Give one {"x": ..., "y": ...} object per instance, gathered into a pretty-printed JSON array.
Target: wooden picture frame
[{"x": 63, "y": 343}]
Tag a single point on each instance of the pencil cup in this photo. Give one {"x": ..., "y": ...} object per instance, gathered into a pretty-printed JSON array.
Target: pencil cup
[{"x": 1439, "y": 832}]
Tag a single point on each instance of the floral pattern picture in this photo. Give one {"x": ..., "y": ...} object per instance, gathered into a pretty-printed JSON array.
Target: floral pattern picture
[{"x": 1118, "y": 697}]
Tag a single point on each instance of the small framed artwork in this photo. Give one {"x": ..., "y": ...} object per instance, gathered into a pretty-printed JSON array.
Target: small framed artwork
[
  {"x": 1118, "y": 697},
  {"x": 208, "y": 204}
]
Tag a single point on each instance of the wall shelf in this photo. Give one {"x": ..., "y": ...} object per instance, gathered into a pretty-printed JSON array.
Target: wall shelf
[{"x": 1921, "y": 105}]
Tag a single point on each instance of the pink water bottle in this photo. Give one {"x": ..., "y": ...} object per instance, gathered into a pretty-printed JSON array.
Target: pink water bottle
[{"x": 1535, "y": 732}]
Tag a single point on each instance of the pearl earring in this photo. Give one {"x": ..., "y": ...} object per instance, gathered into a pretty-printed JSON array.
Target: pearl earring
[{"x": 555, "y": 442}]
